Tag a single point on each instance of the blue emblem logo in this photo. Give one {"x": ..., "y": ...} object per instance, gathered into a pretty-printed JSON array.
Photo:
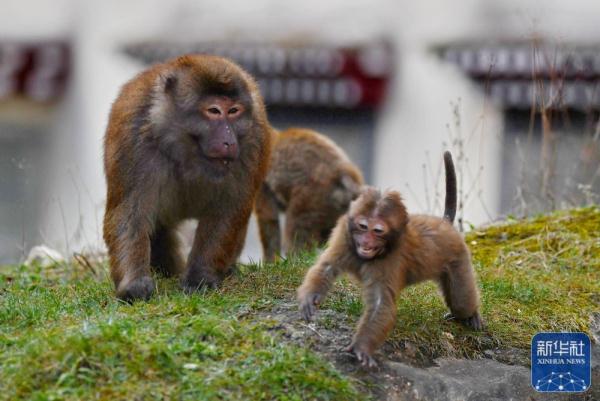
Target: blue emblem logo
[{"x": 561, "y": 362}]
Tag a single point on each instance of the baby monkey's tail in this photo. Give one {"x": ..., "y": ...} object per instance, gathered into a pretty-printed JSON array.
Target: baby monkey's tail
[{"x": 450, "y": 205}]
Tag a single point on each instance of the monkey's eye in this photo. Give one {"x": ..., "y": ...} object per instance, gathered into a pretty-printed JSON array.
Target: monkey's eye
[
  {"x": 363, "y": 226},
  {"x": 379, "y": 229},
  {"x": 214, "y": 111},
  {"x": 235, "y": 111}
]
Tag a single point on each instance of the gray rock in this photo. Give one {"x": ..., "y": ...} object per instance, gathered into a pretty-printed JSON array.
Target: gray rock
[
  {"x": 502, "y": 376},
  {"x": 463, "y": 380}
]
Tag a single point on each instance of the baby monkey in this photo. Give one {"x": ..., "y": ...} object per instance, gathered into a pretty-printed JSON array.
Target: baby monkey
[{"x": 385, "y": 249}]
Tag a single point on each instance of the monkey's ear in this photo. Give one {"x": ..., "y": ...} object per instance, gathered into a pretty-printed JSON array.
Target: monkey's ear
[
  {"x": 164, "y": 92},
  {"x": 345, "y": 191},
  {"x": 395, "y": 205},
  {"x": 170, "y": 83},
  {"x": 167, "y": 82},
  {"x": 394, "y": 197}
]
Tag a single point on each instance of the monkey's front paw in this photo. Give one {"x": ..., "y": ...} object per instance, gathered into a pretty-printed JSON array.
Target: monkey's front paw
[
  {"x": 364, "y": 357},
  {"x": 194, "y": 282},
  {"x": 308, "y": 306},
  {"x": 139, "y": 288},
  {"x": 475, "y": 322}
]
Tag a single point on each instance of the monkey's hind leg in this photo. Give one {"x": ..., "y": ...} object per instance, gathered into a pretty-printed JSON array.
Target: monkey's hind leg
[
  {"x": 461, "y": 295},
  {"x": 302, "y": 232},
  {"x": 166, "y": 256},
  {"x": 267, "y": 215}
]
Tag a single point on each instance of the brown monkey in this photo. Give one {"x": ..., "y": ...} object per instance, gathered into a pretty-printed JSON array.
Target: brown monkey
[
  {"x": 383, "y": 247},
  {"x": 186, "y": 139},
  {"x": 310, "y": 179}
]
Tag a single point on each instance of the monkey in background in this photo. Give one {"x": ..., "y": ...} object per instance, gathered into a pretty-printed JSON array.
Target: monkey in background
[
  {"x": 312, "y": 181},
  {"x": 385, "y": 249},
  {"x": 188, "y": 138}
]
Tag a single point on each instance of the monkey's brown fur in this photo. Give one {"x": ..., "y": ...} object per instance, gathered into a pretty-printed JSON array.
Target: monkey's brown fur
[
  {"x": 313, "y": 181},
  {"x": 186, "y": 139},
  {"x": 406, "y": 250}
]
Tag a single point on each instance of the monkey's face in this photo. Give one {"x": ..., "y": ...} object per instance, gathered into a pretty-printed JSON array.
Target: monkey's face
[
  {"x": 375, "y": 222},
  {"x": 370, "y": 236},
  {"x": 205, "y": 123},
  {"x": 211, "y": 135},
  {"x": 217, "y": 136}
]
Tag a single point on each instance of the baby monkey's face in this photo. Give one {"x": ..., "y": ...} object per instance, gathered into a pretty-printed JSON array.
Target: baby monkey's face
[
  {"x": 375, "y": 221},
  {"x": 370, "y": 236}
]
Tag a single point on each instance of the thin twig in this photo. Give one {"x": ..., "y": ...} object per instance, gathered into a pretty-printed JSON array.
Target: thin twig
[
  {"x": 311, "y": 328},
  {"x": 83, "y": 260}
]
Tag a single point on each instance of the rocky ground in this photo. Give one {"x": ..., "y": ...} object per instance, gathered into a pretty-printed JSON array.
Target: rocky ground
[{"x": 404, "y": 374}]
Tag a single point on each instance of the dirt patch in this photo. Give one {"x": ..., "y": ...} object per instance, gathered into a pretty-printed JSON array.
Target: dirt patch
[{"x": 404, "y": 374}]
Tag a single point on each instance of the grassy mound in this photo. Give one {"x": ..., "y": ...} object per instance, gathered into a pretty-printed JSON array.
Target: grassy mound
[{"x": 64, "y": 336}]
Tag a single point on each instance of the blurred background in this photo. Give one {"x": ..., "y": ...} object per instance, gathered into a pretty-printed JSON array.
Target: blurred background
[{"x": 510, "y": 86}]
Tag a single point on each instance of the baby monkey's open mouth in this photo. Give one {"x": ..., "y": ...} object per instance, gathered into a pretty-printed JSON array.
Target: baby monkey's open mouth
[{"x": 367, "y": 252}]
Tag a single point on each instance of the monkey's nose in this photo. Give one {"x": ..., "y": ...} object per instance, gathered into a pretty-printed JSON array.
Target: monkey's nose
[{"x": 230, "y": 149}]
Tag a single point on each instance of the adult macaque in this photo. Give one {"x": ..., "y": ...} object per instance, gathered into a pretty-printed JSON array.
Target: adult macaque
[
  {"x": 313, "y": 181},
  {"x": 385, "y": 249},
  {"x": 186, "y": 139}
]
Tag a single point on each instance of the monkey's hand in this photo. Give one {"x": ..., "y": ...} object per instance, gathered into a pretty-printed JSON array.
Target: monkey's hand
[
  {"x": 363, "y": 355},
  {"x": 140, "y": 288},
  {"x": 308, "y": 305},
  {"x": 197, "y": 279},
  {"x": 475, "y": 322}
]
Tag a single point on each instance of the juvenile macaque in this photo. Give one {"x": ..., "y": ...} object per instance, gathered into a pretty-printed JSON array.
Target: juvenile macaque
[
  {"x": 186, "y": 139},
  {"x": 310, "y": 179},
  {"x": 385, "y": 249}
]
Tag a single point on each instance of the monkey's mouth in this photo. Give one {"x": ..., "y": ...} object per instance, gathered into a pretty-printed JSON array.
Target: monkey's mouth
[
  {"x": 366, "y": 252},
  {"x": 217, "y": 167},
  {"x": 221, "y": 161}
]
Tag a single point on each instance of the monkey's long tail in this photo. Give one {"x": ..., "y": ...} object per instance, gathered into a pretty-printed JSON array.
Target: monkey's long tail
[{"x": 450, "y": 205}]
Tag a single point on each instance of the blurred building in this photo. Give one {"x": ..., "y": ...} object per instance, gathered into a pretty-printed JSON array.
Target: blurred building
[
  {"x": 62, "y": 63},
  {"x": 550, "y": 158}
]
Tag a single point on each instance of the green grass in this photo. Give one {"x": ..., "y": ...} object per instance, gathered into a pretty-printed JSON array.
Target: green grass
[{"x": 64, "y": 336}]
